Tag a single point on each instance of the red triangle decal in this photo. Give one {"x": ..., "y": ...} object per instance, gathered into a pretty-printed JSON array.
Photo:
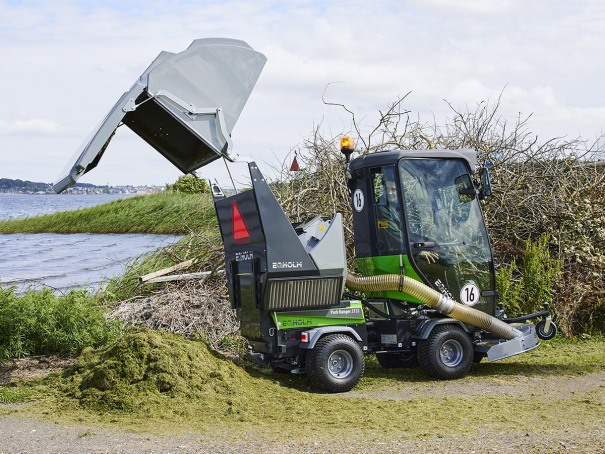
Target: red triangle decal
[
  {"x": 241, "y": 234},
  {"x": 294, "y": 167}
]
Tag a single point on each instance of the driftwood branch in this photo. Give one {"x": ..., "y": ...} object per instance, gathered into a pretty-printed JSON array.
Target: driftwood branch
[
  {"x": 156, "y": 274},
  {"x": 182, "y": 277},
  {"x": 589, "y": 165}
]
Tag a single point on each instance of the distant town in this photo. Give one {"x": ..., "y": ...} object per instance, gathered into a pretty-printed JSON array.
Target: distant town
[{"x": 8, "y": 186}]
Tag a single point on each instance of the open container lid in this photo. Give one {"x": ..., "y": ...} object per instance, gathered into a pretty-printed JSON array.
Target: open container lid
[{"x": 184, "y": 105}]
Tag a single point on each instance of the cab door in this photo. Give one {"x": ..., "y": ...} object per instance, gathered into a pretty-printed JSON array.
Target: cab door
[{"x": 448, "y": 242}]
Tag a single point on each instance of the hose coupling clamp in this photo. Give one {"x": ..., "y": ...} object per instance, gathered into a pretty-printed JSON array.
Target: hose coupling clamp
[{"x": 444, "y": 305}]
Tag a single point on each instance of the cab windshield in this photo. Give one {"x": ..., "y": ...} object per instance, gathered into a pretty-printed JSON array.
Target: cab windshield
[{"x": 447, "y": 237}]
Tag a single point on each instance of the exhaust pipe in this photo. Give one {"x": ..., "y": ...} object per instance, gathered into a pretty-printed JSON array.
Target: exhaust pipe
[{"x": 433, "y": 299}]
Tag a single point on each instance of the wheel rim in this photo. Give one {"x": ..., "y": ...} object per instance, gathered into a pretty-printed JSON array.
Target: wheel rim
[
  {"x": 340, "y": 364},
  {"x": 451, "y": 353},
  {"x": 546, "y": 334}
]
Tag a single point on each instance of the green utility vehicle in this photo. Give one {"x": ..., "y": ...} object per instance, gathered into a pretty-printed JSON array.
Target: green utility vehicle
[{"x": 420, "y": 239}]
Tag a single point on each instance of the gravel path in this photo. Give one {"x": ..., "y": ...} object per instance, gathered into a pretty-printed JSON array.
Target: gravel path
[
  {"x": 561, "y": 387},
  {"x": 20, "y": 435}
]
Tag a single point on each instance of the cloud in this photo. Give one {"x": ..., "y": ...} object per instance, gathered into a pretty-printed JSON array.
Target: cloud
[
  {"x": 36, "y": 126},
  {"x": 474, "y": 6},
  {"x": 72, "y": 60}
]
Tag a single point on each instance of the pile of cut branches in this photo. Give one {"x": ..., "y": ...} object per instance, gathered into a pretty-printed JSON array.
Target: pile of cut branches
[
  {"x": 191, "y": 308},
  {"x": 550, "y": 187}
]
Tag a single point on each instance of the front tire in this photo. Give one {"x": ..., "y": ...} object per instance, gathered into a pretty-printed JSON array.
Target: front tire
[
  {"x": 447, "y": 354},
  {"x": 336, "y": 364}
]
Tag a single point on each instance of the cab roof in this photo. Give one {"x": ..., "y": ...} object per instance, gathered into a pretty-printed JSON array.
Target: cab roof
[{"x": 393, "y": 156}]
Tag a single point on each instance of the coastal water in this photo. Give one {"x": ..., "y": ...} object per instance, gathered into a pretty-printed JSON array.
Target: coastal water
[
  {"x": 25, "y": 205},
  {"x": 65, "y": 261}
]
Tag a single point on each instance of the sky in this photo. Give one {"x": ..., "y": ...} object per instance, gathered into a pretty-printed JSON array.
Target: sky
[{"x": 64, "y": 64}]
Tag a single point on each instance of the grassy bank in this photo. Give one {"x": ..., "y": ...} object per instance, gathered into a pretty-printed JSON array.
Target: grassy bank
[
  {"x": 160, "y": 383},
  {"x": 156, "y": 213}
]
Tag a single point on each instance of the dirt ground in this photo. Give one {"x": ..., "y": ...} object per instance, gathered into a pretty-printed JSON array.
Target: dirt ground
[
  {"x": 32, "y": 367},
  {"x": 21, "y": 434}
]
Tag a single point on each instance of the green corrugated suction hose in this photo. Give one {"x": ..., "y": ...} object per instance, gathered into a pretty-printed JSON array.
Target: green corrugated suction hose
[{"x": 433, "y": 299}]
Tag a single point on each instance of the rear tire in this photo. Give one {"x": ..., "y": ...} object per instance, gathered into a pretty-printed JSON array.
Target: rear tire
[
  {"x": 406, "y": 360},
  {"x": 447, "y": 354},
  {"x": 336, "y": 364},
  {"x": 552, "y": 330}
]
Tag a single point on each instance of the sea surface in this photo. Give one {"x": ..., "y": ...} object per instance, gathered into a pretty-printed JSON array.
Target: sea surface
[
  {"x": 25, "y": 205},
  {"x": 65, "y": 261}
]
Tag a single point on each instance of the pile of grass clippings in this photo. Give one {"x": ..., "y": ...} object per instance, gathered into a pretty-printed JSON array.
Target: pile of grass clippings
[
  {"x": 163, "y": 383},
  {"x": 144, "y": 365}
]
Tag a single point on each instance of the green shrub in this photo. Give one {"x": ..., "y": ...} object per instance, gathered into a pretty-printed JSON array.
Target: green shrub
[
  {"x": 40, "y": 322},
  {"x": 189, "y": 184},
  {"x": 532, "y": 288}
]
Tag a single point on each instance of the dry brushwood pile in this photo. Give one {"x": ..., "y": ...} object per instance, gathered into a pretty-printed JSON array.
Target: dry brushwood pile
[
  {"x": 552, "y": 188},
  {"x": 191, "y": 308}
]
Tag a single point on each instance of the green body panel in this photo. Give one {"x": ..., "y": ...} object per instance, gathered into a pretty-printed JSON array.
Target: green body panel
[
  {"x": 320, "y": 317},
  {"x": 388, "y": 264}
]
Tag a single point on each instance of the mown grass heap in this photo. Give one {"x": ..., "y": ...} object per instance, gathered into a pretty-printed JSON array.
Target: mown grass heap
[
  {"x": 169, "y": 213},
  {"x": 157, "y": 382},
  {"x": 145, "y": 363}
]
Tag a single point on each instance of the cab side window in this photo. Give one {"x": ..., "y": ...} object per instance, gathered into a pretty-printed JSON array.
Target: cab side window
[{"x": 387, "y": 210}]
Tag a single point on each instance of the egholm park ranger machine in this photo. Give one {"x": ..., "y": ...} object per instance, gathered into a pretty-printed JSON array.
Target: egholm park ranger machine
[{"x": 426, "y": 269}]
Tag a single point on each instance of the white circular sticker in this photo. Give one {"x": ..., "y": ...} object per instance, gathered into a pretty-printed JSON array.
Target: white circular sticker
[
  {"x": 470, "y": 294},
  {"x": 358, "y": 200}
]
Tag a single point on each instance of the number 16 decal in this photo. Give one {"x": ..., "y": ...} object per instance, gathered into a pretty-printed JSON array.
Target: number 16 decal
[
  {"x": 358, "y": 200},
  {"x": 469, "y": 294}
]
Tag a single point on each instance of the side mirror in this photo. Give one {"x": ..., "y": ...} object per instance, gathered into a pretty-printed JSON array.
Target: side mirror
[{"x": 486, "y": 183}]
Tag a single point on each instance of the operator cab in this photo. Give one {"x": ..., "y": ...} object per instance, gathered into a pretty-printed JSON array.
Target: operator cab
[{"x": 418, "y": 213}]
